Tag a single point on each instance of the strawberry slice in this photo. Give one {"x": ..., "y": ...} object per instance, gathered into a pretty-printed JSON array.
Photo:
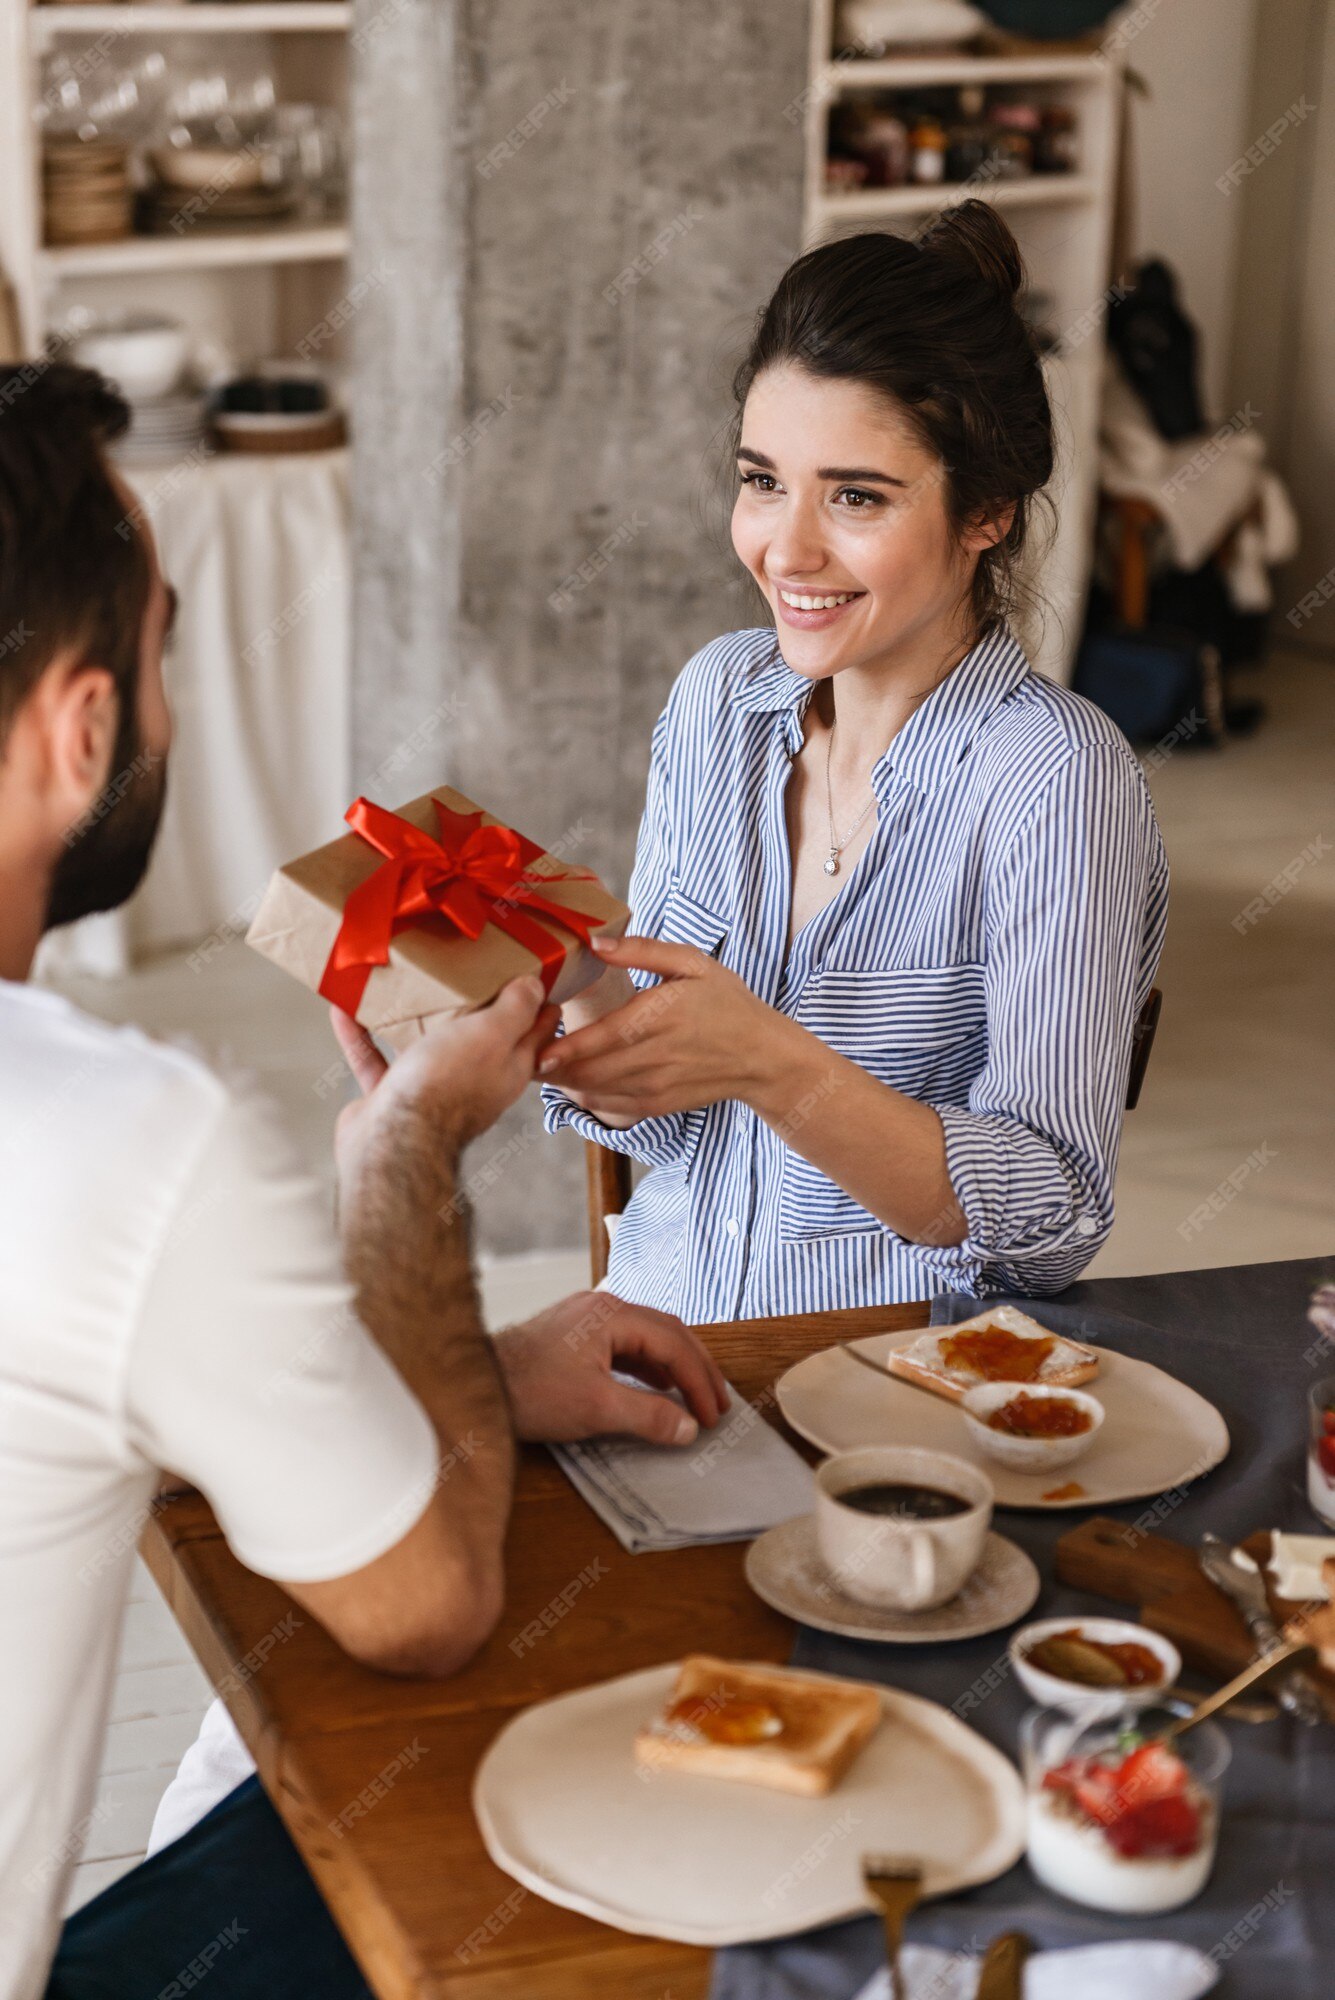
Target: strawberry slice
[
  {"x": 1098, "y": 1796},
  {"x": 1150, "y": 1773},
  {"x": 1163, "y": 1826}
]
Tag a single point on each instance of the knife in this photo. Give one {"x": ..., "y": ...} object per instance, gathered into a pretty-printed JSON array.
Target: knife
[
  {"x": 1002, "y": 1976},
  {"x": 1236, "y": 1574}
]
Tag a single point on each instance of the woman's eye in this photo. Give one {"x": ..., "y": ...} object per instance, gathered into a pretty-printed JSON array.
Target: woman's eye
[
  {"x": 764, "y": 482},
  {"x": 858, "y": 497}
]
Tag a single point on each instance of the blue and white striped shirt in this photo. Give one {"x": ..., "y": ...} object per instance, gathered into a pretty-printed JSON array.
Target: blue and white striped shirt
[{"x": 987, "y": 955}]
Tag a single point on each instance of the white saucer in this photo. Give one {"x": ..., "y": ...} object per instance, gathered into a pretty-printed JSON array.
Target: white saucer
[{"x": 784, "y": 1567}]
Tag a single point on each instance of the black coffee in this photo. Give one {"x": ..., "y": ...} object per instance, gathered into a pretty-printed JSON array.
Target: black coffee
[{"x": 905, "y": 1503}]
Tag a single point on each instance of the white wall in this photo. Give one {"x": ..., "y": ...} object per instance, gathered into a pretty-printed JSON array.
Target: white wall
[{"x": 1195, "y": 56}]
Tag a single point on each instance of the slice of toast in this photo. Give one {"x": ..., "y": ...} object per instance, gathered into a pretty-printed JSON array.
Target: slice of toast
[
  {"x": 802, "y": 1731},
  {"x": 1062, "y": 1364}
]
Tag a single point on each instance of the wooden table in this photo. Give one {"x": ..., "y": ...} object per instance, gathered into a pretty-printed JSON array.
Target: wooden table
[{"x": 399, "y": 1861}]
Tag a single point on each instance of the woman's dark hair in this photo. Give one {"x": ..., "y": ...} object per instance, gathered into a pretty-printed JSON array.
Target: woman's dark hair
[
  {"x": 932, "y": 325},
  {"x": 73, "y": 569}
]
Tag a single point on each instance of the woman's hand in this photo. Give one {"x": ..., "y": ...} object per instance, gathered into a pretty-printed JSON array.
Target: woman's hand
[{"x": 699, "y": 1036}]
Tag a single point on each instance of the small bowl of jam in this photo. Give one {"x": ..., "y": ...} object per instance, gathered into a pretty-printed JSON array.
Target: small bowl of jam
[
  {"x": 1030, "y": 1427},
  {"x": 1093, "y": 1667}
]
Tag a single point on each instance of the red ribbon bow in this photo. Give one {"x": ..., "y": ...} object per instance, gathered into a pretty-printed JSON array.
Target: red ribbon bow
[{"x": 474, "y": 875}]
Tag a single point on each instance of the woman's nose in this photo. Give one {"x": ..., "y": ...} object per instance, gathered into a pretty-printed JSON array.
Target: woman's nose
[{"x": 796, "y": 545}]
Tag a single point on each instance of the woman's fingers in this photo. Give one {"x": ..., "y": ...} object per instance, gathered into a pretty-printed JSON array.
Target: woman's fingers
[
  {"x": 645, "y": 954},
  {"x": 623, "y": 1029},
  {"x": 359, "y": 1051}
]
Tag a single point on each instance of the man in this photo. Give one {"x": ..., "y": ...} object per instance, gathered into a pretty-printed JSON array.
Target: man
[{"x": 173, "y": 1303}]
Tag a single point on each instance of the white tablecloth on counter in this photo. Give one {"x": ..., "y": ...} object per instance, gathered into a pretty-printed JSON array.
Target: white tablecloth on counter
[{"x": 259, "y": 681}]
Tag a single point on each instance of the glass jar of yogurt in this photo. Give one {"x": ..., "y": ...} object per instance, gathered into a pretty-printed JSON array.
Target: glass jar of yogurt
[{"x": 1116, "y": 1819}]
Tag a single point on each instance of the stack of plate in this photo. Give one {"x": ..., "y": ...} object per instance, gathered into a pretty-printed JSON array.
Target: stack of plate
[
  {"x": 86, "y": 190},
  {"x": 174, "y": 210},
  {"x": 163, "y": 428}
]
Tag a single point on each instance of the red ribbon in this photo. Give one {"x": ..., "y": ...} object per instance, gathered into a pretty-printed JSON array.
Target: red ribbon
[{"x": 474, "y": 875}]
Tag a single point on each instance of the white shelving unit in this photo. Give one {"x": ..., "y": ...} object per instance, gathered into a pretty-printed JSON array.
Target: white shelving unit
[
  {"x": 1064, "y": 226},
  {"x": 263, "y": 287}
]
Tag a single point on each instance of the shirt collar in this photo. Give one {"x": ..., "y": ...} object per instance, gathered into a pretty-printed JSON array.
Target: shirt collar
[{"x": 936, "y": 736}]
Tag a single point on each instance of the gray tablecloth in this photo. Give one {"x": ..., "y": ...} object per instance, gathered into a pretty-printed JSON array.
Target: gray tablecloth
[{"x": 1240, "y": 1337}]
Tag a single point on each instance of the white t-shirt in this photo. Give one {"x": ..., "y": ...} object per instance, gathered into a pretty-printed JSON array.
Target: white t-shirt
[{"x": 170, "y": 1299}]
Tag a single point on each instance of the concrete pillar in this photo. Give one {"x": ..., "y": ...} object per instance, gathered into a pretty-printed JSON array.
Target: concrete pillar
[{"x": 581, "y": 206}]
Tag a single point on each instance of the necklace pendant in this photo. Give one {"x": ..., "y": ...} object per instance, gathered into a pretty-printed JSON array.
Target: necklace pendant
[{"x": 832, "y": 865}]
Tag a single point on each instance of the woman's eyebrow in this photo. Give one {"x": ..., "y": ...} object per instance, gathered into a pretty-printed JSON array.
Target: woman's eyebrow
[{"x": 827, "y": 471}]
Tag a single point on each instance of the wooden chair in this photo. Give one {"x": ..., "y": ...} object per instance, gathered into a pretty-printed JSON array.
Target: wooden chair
[{"x": 608, "y": 1173}]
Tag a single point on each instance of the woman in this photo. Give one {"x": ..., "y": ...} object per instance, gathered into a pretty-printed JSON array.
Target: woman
[{"x": 899, "y": 899}]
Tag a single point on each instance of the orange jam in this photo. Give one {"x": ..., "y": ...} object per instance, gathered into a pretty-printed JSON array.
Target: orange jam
[
  {"x": 995, "y": 1354},
  {"x": 726, "y": 1718},
  {"x": 1072, "y": 1490},
  {"x": 1040, "y": 1417}
]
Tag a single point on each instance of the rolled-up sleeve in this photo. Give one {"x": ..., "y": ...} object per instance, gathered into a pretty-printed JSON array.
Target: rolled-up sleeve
[
  {"x": 655, "y": 1141},
  {"x": 1076, "y": 920}
]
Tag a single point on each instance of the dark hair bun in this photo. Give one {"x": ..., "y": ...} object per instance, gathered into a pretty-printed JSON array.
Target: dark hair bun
[{"x": 973, "y": 236}]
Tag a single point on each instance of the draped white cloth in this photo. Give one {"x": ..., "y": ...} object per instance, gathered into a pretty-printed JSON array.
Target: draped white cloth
[{"x": 259, "y": 680}]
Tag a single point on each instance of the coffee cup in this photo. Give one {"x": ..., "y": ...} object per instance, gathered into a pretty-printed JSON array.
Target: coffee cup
[{"x": 901, "y": 1527}]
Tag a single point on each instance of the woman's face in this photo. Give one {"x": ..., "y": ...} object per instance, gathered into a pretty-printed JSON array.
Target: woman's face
[{"x": 840, "y": 501}]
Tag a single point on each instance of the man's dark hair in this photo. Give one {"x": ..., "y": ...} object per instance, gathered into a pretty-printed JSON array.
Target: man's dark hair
[{"x": 73, "y": 569}]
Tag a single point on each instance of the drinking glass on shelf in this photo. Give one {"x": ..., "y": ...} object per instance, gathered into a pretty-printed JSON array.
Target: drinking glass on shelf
[{"x": 1321, "y": 1449}]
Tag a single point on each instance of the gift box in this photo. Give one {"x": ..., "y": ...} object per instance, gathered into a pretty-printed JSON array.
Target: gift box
[{"x": 428, "y": 911}]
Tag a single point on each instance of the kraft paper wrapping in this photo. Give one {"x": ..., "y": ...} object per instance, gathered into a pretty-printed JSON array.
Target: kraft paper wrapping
[{"x": 429, "y": 975}]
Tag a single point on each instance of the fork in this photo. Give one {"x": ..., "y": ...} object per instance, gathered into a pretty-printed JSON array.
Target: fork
[{"x": 895, "y": 1882}]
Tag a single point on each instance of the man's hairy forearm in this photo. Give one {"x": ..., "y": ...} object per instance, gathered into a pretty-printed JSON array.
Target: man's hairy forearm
[{"x": 407, "y": 1252}]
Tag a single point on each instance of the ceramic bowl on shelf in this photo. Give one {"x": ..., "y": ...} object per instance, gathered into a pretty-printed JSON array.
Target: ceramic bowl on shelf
[
  {"x": 1040, "y": 1451},
  {"x": 1084, "y": 1698},
  {"x": 143, "y": 353}
]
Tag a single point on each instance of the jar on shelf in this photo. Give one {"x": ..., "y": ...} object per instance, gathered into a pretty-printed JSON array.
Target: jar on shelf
[
  {"x": 1055, "y": 151},
  {"x": 927, "y": 150},
  {"x": 969, "y": 141},
  {"x": 1015, "y": 137},
  {"x": 884, "y": 145}
]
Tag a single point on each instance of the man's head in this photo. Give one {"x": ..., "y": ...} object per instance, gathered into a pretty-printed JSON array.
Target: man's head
[{"x": 84, "y": 613}]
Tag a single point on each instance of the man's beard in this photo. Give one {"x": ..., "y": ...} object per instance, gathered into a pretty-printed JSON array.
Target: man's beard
[{"x": 109, "y": 850}]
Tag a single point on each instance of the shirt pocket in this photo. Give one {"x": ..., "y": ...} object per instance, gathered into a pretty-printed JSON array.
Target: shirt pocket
[
  {"x": 685, "y": 920},
  {"x": 922, "y": 1030}
]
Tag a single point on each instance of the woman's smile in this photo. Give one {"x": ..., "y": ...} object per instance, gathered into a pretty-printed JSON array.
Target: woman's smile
[{"x": 812, "y": 610}]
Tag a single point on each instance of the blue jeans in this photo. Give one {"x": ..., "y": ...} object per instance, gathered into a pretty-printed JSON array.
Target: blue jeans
[{"x": 230, "y": 1901}]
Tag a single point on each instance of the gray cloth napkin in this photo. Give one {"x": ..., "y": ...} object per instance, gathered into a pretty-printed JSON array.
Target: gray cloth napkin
[
  {"x": 728, "y": 1486},
  {"x": 1141, "y": 1971},
  {"x": 1267, "y": 1916}
]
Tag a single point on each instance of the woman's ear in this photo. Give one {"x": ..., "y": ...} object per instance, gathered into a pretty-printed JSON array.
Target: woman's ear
[{"x": 987, "y": 529}]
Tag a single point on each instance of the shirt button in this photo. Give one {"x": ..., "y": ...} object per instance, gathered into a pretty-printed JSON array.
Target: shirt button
[
  {"x": 1087, "y": 1226},
  {"x": 733, "y": 1226}
]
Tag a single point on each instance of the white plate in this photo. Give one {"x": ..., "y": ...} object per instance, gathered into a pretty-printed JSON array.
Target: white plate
[
  {"x": 784, "y": 1567},
  {"x": 562, "y": 1808},
  {"x": 1158, "y": 1433}
]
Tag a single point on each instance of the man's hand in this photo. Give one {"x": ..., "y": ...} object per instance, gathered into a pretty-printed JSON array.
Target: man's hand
[
  {"x": 461, "y": 1075},
  {"x": 558, "y": 1370}
]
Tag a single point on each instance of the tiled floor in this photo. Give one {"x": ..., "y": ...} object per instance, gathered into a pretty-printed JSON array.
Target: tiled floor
[{"x": 1241, "y": 1085}]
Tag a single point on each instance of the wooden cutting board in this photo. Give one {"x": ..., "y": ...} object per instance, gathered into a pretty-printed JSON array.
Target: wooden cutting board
[{"x": 1162, "y": 1579}]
